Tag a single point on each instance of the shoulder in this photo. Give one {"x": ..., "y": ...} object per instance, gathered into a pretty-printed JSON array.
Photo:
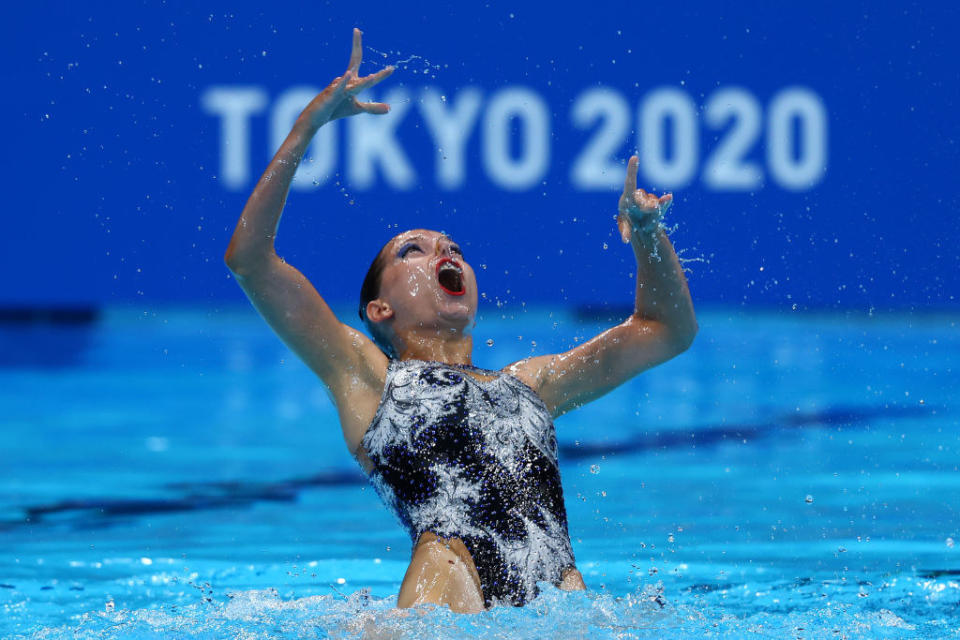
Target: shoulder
[
  {"x": 533, "y": 372},
  {"x": 364, "y": 369},
  {"x": 356, "y": 384}
]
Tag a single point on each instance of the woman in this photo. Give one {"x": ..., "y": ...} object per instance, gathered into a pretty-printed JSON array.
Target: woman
[{"x": 467, "y": 458}]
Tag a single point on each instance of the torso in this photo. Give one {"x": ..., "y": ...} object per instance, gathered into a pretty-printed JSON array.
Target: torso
[
  {"x": 357, "y": 398},
  {"x": 471, "y": 454}
]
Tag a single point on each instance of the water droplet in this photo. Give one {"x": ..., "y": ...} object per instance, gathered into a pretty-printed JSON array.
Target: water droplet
[
  {"x": 950, "y": 542},
  {"x": 594, "y": 468},
  {"x": 809, "y": 499},
  {"x": 489, "y": 342}
]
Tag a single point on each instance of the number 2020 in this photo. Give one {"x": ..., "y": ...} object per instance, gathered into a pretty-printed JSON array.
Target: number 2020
[{"x": 796, "y": 139}]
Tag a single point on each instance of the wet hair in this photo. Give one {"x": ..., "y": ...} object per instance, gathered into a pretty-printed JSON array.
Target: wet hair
[{"x": 370, "y": 290}]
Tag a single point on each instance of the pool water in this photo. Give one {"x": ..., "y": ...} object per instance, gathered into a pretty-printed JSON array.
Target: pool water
[{"x": 177, "y": 473}]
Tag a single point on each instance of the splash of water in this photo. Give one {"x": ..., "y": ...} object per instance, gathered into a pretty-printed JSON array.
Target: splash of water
[
  {"x": 644, "y": 613},
  {"x": 412, "y": 62}
]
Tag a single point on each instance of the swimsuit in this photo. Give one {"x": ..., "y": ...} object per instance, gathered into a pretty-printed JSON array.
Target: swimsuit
[{"x": 475, "y": 460}]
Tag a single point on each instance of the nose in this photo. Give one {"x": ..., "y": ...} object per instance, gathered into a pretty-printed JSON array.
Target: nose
[{"x": 443, "y": 247}]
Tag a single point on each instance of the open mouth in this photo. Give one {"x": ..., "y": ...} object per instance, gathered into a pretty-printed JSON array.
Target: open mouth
[{"x": 450, "y": 277}]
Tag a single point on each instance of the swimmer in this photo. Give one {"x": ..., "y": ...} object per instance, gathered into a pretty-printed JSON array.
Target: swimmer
[{"x": 465, "y": 457}]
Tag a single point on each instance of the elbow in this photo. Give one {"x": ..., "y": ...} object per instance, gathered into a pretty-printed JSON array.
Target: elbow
[
  {"x": 684, "y": 339},
  {"x": 241, "y": 263},
  {"x": 232, "y": 261},
  {"x": 680, "y": 338},
  {"x": 671, "y": 339}
]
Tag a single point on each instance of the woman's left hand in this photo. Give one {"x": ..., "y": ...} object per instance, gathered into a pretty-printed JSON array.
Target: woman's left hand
[{"x": 639, "y": 210}]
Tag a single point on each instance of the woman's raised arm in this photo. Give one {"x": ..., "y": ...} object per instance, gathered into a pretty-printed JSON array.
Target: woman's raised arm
[
  {"x": 282, "y": 295},
  {"x": 662, "y": 325}
]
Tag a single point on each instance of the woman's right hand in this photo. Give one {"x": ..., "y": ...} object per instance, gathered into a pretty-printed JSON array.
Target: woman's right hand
[
  {"x": 339, "y": 100},
  {"x": 638, "y": 209}
]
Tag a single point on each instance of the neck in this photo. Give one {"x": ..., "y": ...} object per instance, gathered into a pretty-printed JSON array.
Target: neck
[{"x": 452, "y": 348}]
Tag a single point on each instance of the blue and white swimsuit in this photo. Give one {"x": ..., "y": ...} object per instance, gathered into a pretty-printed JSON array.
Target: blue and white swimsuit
[{"x": 477, "y": 460}]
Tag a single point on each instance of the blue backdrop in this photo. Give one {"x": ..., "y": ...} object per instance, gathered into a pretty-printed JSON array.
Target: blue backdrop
[{"x": 812, "y": 147}]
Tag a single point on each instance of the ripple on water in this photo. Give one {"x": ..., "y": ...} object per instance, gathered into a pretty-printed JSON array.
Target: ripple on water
[{"x": 263, "y": 614}]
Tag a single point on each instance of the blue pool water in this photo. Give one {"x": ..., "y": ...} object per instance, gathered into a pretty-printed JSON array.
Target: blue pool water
[{"x": 178, "y": 474}]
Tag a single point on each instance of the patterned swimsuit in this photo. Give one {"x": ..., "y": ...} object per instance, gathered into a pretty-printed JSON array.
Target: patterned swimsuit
[{"x": 476, "y": 460}]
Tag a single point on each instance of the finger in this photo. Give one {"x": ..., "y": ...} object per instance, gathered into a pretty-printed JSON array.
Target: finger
[
  {"x": 374, "y": 107},
  {"x": 642, "y": 199},
  {"x": 371, "y": 80},
  {"x": 623, "y": 224},
  {"x": 356, "y": 55},
  {"x": 665, "y": 201},
  {"x": 630, "y": 184}
]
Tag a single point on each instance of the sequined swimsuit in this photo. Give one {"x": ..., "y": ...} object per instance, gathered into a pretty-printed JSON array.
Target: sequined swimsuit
[{"x": 477, "y": 460}]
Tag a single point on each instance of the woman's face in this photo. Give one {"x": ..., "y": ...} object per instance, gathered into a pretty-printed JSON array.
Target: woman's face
[{"x": 427, "y": 283}]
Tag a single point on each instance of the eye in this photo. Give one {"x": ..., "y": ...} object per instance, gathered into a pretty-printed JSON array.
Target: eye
[{"x": 407, "y": 248}]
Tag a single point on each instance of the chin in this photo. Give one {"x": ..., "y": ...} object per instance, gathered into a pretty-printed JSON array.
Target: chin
[{"x": 457, "y": 314}]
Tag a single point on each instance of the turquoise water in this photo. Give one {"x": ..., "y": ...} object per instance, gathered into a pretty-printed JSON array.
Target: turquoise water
[{"x": 178, "y": 474}]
